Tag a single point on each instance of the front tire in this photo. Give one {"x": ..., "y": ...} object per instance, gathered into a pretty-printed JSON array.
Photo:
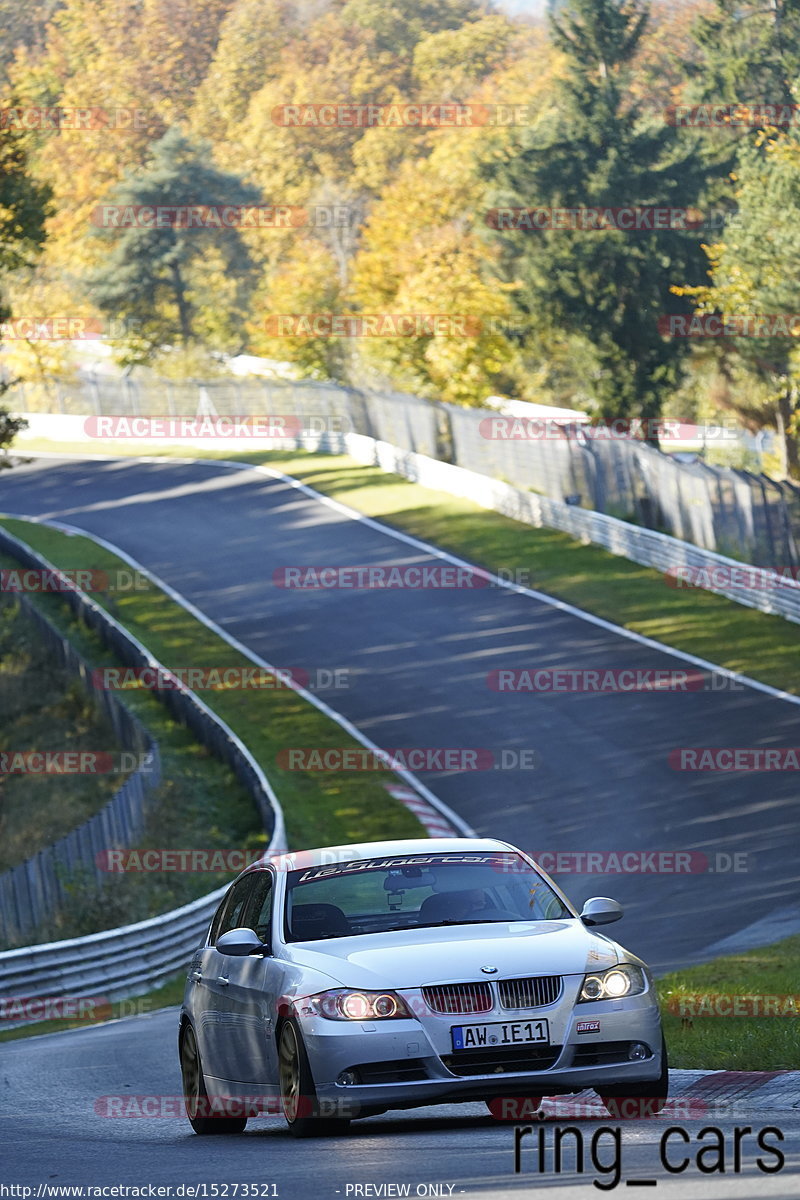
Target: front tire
[
  {"x": 195, "y": 1096},
  {"x": 299, "y": 1099},
  {"x": 639, "y": 1100}
]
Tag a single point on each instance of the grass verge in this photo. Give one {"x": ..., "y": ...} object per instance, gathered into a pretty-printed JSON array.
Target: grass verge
[
  {"x": 199, "y": 803},
  {"x": 43, "y": 707},
  {"x": 741, "y": 639},
  {"x": 320, "y": 807},
  {"x": 697, "y": 1005}
]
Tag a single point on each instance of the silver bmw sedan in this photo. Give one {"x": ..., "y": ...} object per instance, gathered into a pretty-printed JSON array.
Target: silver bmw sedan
[{"x": 341, "y": 982}]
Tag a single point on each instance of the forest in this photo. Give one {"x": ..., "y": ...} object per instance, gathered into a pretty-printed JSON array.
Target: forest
[{"x": 597, "y": 208}]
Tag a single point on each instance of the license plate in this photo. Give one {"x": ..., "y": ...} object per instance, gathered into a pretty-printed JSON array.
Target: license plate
[{"x": 499, "y": 1033}]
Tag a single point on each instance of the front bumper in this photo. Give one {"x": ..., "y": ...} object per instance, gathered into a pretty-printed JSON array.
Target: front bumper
[{"x": 404, "y": 1063}]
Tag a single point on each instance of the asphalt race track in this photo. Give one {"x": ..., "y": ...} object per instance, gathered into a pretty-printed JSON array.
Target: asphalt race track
[
  {"x": 52, "y": 1089},
  {"x": 417, "y": 663}
]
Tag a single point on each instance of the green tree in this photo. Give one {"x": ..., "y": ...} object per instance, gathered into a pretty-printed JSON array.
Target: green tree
[
  {"x": 755, "y": 272},
  {"x": 9, "y": 428},
  {"x": 23, "y": 211},
  {"x": 603, "y": 288},
  {"x": 749, "y": 52},
  {"x": 173, "y": 283}
]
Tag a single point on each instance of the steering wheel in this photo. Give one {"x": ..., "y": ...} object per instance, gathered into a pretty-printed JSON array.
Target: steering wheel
[{"x": 491, "y": 914}]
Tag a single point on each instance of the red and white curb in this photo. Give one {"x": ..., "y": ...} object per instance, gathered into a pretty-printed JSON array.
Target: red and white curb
[
  {"x": 744, "y": 1090},
  {"x": 434, "y": 822}
]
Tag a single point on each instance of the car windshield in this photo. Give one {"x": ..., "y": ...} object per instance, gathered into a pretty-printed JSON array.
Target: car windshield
[{"x": 417, "y": 891}]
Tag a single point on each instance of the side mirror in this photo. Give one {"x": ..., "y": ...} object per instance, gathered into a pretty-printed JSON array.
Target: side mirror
[
  {"x": 600, "y": 910},
  {"x": 240, "y": 943}
]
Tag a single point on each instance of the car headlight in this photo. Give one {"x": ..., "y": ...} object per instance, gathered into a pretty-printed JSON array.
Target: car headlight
[
  {"x": 624, "y": 980},
  {"x": 345, "y": 1004}
]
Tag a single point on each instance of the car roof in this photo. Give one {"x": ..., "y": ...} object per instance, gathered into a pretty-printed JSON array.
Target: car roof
[{"x": 328, "y": 855}]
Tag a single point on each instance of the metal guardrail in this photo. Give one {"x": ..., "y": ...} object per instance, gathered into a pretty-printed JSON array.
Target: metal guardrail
[
  {"x": 756, "y": 587},
  {"x": 723, "y": 509},
  {"x": 133, "y": 959},
  {"x": 184, "y": 704},
  {"x": 36, "y": 888},
  {"x": 111, "y": 965}
]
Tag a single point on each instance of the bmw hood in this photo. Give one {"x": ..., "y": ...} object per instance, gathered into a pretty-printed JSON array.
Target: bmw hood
[{"x": 455, "y": 954}]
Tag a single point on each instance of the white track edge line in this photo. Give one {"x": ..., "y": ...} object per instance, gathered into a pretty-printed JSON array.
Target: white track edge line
[
  {"x": 440, "y": 806},
  {"x": 445, "y": 556}
]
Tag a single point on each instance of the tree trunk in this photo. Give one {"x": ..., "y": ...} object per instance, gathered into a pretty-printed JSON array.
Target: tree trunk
[
  {"x": 787, "y": 437},
  {"x": 184, "y": 312}
]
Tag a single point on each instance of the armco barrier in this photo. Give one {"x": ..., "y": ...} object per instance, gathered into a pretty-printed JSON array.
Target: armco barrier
[
  {"x": 648, "y": 547},
  {"x": 114, "y": 964},
  {"x": 32, "y": 891},
  {"x": 645, "y": 546},
  {"x": 723, "y": 509},
  {"x": 133, "y": 959},
  {"x": 185, "y": 705}
]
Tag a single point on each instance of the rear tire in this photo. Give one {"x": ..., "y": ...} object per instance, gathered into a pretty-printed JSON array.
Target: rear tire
[
  {"x": 639, "y": 1100},
  {"x": 195, "y": 1096},
  {"x": 298, "y": 1095}
]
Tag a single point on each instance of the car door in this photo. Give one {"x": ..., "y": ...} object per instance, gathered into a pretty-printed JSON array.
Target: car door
[
  {"x": 250, "y": 993},
  {"x": 213, "y": 983}
]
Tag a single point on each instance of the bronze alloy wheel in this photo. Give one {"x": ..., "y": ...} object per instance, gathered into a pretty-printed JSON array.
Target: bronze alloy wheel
[
  {"x": 195, "y": 1096},
  {"x": 301, "y": 1108}
]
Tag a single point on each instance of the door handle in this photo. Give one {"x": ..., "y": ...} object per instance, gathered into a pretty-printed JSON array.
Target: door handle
[
  {"x": 196, "y": 976},
  {"x": 222, "y": 980}
]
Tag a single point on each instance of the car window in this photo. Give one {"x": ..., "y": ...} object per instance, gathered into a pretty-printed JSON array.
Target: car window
[
  {"x": 231, "y": 910},
  {"x": 417, "y": 891},
  {"x": 259, "y": 909}
]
